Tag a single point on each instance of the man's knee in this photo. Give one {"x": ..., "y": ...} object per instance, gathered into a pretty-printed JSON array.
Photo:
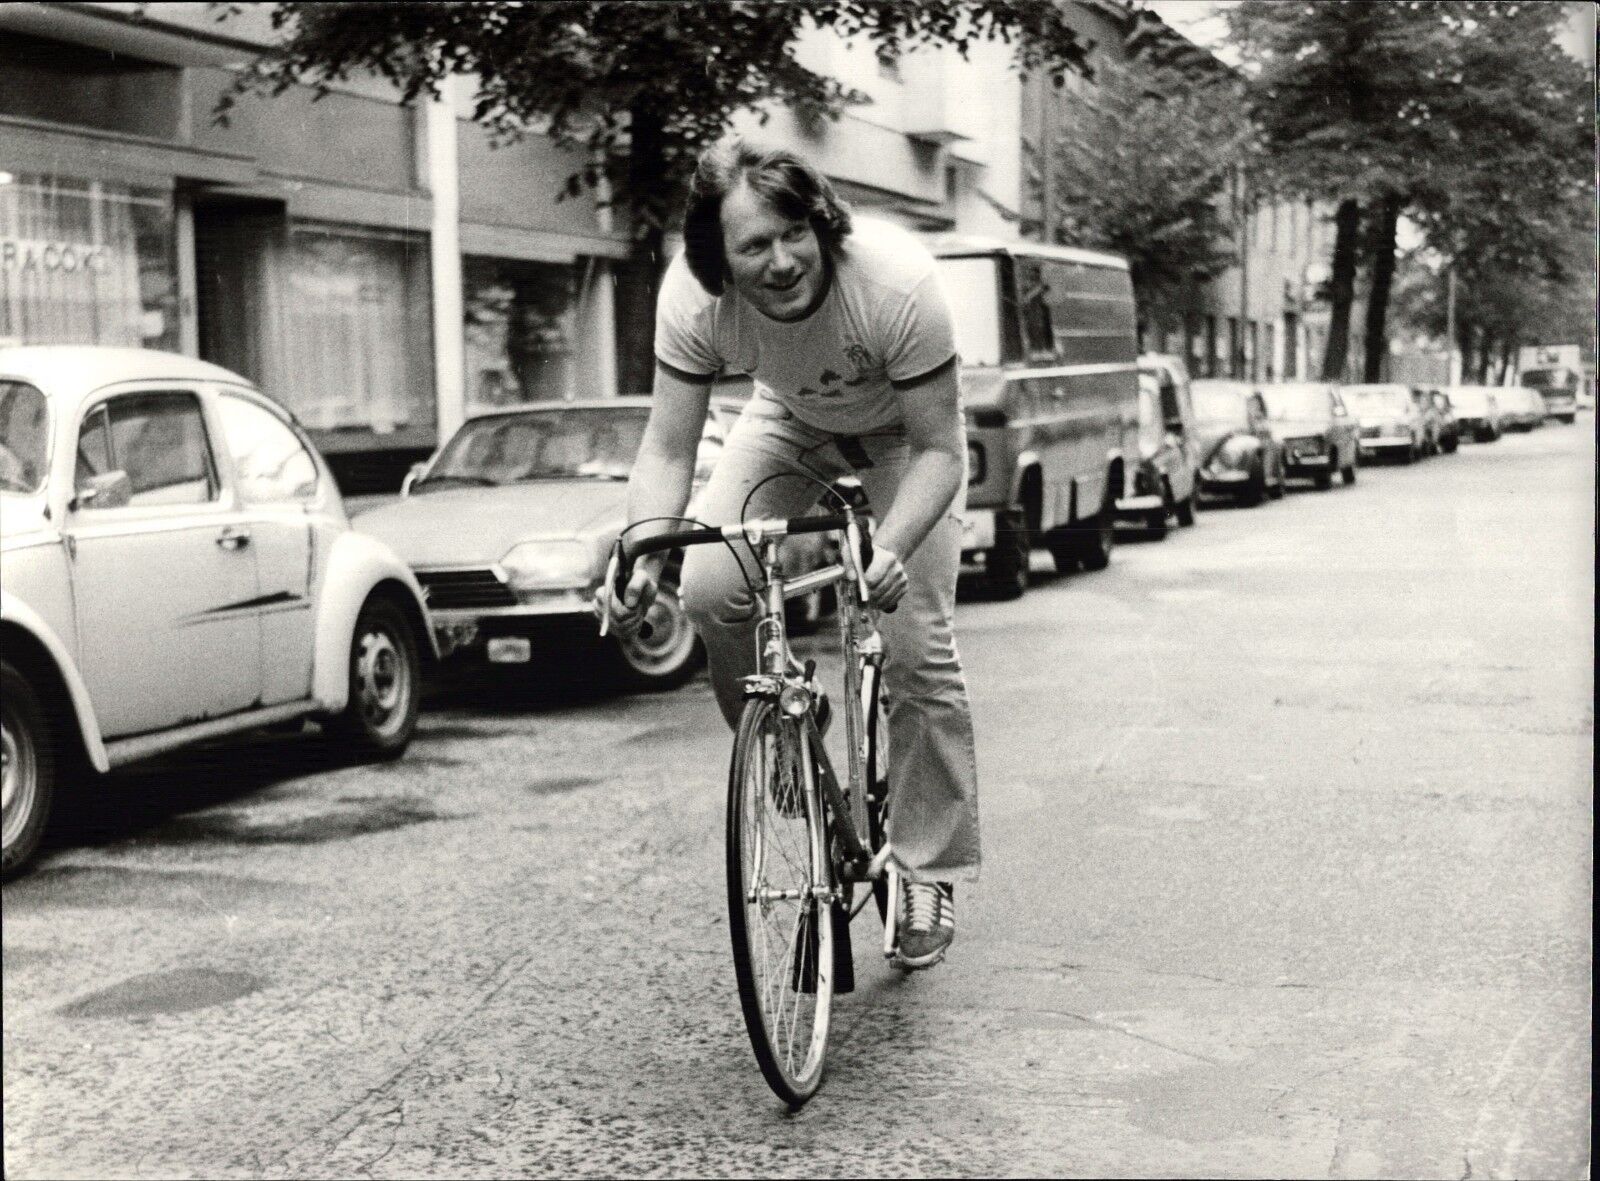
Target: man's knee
[{"x": 714, "y": 591}]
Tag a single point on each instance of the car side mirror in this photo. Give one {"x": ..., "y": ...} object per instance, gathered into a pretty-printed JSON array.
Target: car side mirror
[
  {"x": 412, "y": 476},
  {"x": 106, "y": 490}
]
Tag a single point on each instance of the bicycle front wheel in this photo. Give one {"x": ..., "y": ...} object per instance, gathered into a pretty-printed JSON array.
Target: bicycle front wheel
[{"x": 778, "y": 901}]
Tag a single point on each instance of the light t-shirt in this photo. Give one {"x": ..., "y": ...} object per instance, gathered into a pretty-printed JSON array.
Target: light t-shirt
[{"x": 884, "y": 320}]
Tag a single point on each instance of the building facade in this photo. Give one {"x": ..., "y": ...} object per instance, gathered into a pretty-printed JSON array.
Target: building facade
[
  {"x": 384, "y": 270},
  {"x": 380, "y": 268}
]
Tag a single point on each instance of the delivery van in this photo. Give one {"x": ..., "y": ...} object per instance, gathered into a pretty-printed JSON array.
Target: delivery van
[{"x": 1050, "y": 381}]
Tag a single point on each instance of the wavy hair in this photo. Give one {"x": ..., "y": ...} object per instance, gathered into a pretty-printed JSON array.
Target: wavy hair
[{"x": 791, "y": 186}]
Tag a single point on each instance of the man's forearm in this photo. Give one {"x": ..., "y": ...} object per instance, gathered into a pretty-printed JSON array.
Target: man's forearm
[
  {"x": 659, "y": 487},
  {"x": 930, "y": 484}
]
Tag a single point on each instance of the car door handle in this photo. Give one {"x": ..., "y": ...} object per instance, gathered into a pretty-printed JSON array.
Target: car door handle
[{"x": 233, "y": 537}]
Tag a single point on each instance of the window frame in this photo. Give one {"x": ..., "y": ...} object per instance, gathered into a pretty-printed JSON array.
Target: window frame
[{"x": 103, "y": 403}]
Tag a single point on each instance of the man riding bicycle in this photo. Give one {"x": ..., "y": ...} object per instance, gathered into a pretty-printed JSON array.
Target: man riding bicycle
[{"x": 846, "y": 331}]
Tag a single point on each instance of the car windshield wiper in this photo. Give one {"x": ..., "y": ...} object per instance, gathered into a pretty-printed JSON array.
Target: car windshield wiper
[{"x": 479, "y": 481}]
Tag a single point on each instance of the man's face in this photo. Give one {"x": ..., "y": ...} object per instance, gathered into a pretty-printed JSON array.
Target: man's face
[{"x": 776, "y": 264}]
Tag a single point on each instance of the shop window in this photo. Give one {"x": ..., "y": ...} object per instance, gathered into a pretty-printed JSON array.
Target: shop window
[
  {"x": 334, "y": 321},
  {"x": 521, "y": 332},
  {"x": 86, "y": 262},
  {"x": 359, "y": 330}
]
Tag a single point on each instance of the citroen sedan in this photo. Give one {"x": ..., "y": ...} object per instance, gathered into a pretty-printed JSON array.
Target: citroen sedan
[
  {"x": 509, "y": 527},
  {"x": 178, "y": 566}
]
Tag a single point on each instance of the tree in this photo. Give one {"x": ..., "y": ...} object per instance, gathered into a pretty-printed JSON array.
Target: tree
[
  {"x": 1343, "y": 93},
  {"x": 1510, "y": 202},
  {"x": 1464, "y": 116},
  {"x": 642, "y": 87},
  {"x": 1155, "y": 191}
]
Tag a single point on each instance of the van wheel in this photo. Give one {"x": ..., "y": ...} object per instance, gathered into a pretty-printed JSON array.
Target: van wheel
[
  {"x": 1185, "y": 510},
  {"x": 27, "y": 770},
  {"x": 1093, "y": 537},
  {"x": 1005, "y": 574}
]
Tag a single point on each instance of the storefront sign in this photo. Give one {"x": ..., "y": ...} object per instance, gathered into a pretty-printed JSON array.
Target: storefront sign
[{"x": 21, "y": 255}]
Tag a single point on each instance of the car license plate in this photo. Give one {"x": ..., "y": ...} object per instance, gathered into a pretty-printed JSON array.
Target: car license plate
[
  {"x": 977, "y": 530},
  {"x": 510, "y": 650}
]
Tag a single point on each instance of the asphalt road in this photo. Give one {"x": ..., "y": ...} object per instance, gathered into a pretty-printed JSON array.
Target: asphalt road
[{"x": 1288, "y": 824}]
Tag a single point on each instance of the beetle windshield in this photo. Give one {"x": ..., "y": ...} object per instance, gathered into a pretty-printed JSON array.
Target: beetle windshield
[
  {"x": 1297, "y": 401},
  {"x": 591, "y": 443},
  {"x": 1220, "y": 405},
  {"x": 24, "y": 437}
]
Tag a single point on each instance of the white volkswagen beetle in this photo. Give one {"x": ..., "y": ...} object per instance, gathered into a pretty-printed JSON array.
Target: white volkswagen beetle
[{"x": 175, "y": 565}]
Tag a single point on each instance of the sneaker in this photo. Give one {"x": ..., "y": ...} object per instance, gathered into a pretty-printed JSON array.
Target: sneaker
[{"x": 927, "y": 924}]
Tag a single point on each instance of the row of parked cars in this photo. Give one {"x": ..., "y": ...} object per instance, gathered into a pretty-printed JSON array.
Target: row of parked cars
[
  {"x": 1244, "y": 441},
  {"x": 178, "y": 564}
]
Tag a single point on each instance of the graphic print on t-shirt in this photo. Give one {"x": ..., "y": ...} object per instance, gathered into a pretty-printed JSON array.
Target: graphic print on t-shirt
[{"x": 834, "y": 385}]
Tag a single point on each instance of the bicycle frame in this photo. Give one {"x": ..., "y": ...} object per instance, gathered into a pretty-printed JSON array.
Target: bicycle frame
[{"x": 795, "y": 691}]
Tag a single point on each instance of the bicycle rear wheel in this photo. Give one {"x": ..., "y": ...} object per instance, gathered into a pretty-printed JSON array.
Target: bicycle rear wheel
[{"x": 781, "y": 929}]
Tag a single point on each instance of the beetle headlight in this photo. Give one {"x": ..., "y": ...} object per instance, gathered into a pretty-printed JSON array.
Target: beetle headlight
[
  {"x": 1235, "y": 452},
  {"x": 547, "y": 565}
]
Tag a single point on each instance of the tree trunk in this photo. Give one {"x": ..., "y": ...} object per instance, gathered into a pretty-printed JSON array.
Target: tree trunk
[
  {"x": 639, "y": 280},
  {"x": 1341, "y": 288},
  {"x": 1382, "y": 281},
  {"x": 1507, "y": 347}
]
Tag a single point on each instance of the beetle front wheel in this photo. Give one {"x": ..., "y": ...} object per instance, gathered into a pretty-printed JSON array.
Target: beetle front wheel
[
  {"x": 385, "y": 682},
  {"x": 27, "y": 770}
]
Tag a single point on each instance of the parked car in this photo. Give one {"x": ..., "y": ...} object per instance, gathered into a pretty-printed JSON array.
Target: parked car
[
  {"x": 1432, "y": 423},
  {"x": 1317, "y": 431},
  {"x": 1393, "y": 421},
  {"x": 1165, "y": 480},
  {"x": 178, "y": 566},
  {"x": 1477, "y": 410},
  {"x": 1522, "y": 409},
  {"x": 1445, "y": 414},
  {"x": 1559, "y": 385},
  {"x": 510, "y": 524},
  {"x": 1239, "y": 457}
]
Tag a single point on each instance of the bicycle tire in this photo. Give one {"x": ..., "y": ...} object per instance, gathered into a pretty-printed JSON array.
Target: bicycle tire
[{"x": 782, "y": 953}]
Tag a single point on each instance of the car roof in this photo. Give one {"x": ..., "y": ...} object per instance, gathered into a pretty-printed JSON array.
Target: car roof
[
  {"x": 74, "y": 371},
  {"x": 1379, "y": 387},
  {"x": 946, "y": 245},
  {"x": 1223, "y": 383}
]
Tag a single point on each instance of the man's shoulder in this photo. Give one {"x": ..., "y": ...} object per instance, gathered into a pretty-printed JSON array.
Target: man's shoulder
[
  {"x": 682, "y": 290},
  {"x": 886, "y": 256}
]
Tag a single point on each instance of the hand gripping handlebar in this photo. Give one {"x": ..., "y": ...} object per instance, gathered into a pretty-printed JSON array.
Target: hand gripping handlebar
[{"x": 624, "y": 554}]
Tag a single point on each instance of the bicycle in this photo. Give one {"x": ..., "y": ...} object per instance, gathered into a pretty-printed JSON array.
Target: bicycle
[{"x": 804, "y": 853}]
